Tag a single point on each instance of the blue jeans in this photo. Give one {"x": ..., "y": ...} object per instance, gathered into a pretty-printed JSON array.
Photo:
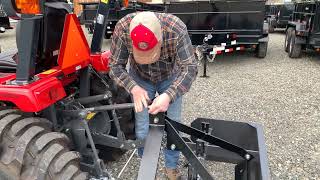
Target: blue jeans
[{"x": 142, "y": 118}]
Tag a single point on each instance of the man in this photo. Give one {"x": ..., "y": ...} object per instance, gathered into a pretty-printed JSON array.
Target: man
[{"x": 159, "y": 51}]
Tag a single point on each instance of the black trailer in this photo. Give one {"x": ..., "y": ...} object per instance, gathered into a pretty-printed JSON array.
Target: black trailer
[
  {"x": 88, "y": 16},
  {"x": 4, "y": 21},
  {"x": 278, "y": 15},
  {"x": 303, "y": 32},
  {"x": 229, "y": 25}
]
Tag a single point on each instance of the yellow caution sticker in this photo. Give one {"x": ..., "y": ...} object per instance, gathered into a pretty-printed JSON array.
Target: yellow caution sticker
[
  {"x": 90, "y": 116},
  {"x": 50, "y": 71},
  {"x": 105, "y": 1}
]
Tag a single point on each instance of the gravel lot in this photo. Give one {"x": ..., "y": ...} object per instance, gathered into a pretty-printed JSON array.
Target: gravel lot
[{"x": 280, "y": 93}]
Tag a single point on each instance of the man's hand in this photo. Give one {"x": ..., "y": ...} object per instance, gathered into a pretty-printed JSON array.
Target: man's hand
[
  {"x": 140, "y": 98},
  {"x": 160, "y": 104}
]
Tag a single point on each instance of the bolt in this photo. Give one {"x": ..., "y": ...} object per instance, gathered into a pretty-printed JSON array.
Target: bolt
[
  {"x": 67, "y": 130},
  {"x": 247, "y": 156},
  {"x": 133, "y": 145},
  {"x": 122, "y": 145},
  {"x": 156, "y": 120},
  {"x": 11, "y": 146},
  {"x": 173, "y": 147}
]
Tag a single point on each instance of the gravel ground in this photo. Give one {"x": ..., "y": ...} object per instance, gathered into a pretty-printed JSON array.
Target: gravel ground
[{"x": 280, "y": 93}]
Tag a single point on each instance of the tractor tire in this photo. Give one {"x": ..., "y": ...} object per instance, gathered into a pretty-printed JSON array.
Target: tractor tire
[
  {"x": 287, "y": 39},
  {"x": 30, "y": 150},
  {"x": 294, "y": 48},
  {"x": 262, "y": 49}
]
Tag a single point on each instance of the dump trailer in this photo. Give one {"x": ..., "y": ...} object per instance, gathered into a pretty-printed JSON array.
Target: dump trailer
[
  {"x": 278, "y": 15},
  {"x": 303, "y": 31},
  {"x": 62, "y": 116},
  {"x": 4, "y": 21},
  {"x": 89, "y": 11},
  {"x": 234, "y": 25}
]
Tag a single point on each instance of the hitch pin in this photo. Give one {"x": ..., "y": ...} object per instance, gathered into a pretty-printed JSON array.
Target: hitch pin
[{"x": 124, "y": 167}]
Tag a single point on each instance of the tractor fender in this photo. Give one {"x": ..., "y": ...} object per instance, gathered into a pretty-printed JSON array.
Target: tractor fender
[{"x": 265, "y": 27}]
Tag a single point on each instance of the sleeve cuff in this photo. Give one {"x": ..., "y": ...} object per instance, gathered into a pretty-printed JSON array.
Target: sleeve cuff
[
  {"x": 172, "y": 94},
  {"x": 130, "y": 86}
]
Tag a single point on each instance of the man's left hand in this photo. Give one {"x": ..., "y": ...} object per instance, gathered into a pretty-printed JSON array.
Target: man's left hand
[{"x": 160, "y": 104}]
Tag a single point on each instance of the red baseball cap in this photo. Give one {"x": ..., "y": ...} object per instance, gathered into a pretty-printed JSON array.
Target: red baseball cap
[{"x": 146, "y": 36}]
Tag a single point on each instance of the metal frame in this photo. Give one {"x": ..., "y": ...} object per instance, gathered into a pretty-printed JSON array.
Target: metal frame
[{"x": 250, "y": 164}]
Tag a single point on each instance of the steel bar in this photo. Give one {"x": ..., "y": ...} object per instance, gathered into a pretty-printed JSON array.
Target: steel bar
[
  {"x": 92, "y": 99},
  {"x": 151, "y": 153},
  {"x": 99, "y": 166},
  {"x": 110, "y": 107},
  {"x": 84, "y": 111},
  {"x": 111, "y": 141},
  {"x": 115, "y": 118}
]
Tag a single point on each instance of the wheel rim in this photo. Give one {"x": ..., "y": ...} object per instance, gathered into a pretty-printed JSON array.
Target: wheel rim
[
  {"x": 286, "y": 42},
  {"x": 291, "y": 45}
]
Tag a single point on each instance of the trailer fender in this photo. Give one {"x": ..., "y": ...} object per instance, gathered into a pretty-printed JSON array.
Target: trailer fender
[
  {"x": 265, "y": 27},
  {"x": 300, "y": 40},
  {"x": 264, "y": 39}
]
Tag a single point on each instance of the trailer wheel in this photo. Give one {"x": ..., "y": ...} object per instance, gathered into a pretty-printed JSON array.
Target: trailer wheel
[
  {"x": 30, "y": 150},
  {"x": 261, "y": 50},
  {"x": 287, "y": 39},
  {"x": 294, "y": 48},
  {"x": 107, "y": 36}
]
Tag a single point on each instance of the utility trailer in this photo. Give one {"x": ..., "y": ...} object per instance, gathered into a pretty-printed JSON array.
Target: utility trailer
[
  {"x": 303, "y": 31},
  {"x": 278, "y": 15},
  {"x": 61, "y": 116},
  {"x": 234, "y": 25}
]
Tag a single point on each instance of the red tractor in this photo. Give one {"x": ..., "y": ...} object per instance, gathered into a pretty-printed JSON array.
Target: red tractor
[{"x": 62, "y": 116}]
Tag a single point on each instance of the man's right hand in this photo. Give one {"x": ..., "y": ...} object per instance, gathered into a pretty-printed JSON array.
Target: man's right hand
[{"x": 140, "y": 98}]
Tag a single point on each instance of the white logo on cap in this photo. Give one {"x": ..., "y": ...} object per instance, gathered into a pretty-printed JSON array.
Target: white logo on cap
[{"x": 143, "y": 45}]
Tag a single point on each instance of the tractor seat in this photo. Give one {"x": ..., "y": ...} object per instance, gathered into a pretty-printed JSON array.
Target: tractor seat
[{"x": 8, "y": 60}]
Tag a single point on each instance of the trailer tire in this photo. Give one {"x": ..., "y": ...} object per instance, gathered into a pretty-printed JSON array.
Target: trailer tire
[
  {"x": 262, "y": 49},
  {"x": 271, "y": 28},
  {"x": 294, "y": 48},
  {"x": 30, "y": 150},
  {"x": 287, "y": 39}
]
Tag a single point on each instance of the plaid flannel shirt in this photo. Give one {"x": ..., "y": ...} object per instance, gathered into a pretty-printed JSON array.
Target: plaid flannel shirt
[{"x": 176, "y": 59}]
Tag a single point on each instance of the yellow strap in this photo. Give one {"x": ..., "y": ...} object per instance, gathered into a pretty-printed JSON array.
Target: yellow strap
[
  {"x": 90, "y": 116},
  {"x": 105, "y": 1}
]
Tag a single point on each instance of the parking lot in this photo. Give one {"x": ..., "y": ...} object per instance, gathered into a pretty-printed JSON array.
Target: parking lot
[{"x": 282, "y": 94}]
